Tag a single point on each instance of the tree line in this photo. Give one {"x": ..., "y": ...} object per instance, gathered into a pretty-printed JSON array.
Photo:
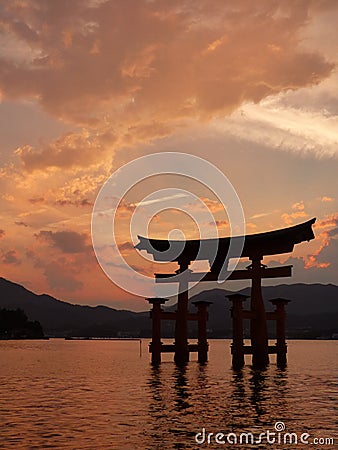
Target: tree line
[{"x": 14, "y": 324}]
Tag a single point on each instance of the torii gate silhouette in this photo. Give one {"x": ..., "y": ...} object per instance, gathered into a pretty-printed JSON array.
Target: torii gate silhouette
[{"x": 256, "y": 246}]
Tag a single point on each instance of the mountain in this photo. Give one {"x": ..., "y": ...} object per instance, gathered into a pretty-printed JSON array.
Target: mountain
[
  {"x": 313, "y": 311},
  {"x": 62, "y": 318}
]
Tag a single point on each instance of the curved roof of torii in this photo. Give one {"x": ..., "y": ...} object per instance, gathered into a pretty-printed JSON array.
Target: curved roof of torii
[{"x": 255, "y": 245}]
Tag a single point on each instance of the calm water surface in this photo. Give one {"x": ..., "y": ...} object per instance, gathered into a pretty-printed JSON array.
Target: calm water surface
[{"x": 105, "y": 395}]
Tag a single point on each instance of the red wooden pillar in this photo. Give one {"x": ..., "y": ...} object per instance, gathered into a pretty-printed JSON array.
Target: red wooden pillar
[
  {"x": 280, "y": 330},
  {"x": 155, "y": 313},
  {"x": 181, "y": 325},
  {"x": 203, "y": 345},
  {"x": 237, "y": 348},
  {"x": 258, "y": 331}
]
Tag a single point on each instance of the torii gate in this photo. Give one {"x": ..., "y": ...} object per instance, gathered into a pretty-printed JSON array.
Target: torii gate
[{"x": 256, "y": 246}]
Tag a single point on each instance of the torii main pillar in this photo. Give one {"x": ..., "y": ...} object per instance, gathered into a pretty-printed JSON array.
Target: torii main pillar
[
  {"x": 181, "y": 324},
  {"x": 258, "y": 326}
]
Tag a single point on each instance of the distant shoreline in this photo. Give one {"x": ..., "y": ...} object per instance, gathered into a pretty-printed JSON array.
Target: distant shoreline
[{"x": 149, "y": 339}]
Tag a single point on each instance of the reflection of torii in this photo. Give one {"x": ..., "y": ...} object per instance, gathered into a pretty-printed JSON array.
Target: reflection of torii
[{"x": 255, "y": 247}]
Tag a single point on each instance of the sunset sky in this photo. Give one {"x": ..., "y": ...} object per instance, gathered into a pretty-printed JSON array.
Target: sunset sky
[{"x": 89, "y": 85}]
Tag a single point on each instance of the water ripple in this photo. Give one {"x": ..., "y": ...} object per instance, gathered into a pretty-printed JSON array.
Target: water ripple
[{"x": 103, "y": 395}]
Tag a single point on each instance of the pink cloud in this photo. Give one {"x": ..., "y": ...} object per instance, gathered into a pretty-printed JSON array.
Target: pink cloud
[
  {"x": 164, "y": 59},
  {"x": 135, "y": 71}
]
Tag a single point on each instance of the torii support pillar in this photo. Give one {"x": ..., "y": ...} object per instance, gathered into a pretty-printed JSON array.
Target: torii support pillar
[
  {"x": 181, "y": 325},
  {"x": 156, "y": 344},
  {"x": 258, "y": 332},
  {"x": 280, "y": 330},
  {"x": 237, "y": 348},
  {"x": 203, "y": 345}
]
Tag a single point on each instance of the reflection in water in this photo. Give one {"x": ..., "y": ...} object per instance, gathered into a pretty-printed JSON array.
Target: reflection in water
[
  {"x": 237, "y": 412},
  {"x": 258, "y": 396},
  {"x": 86, "y": 395},
  {"x": 169, "y": 404},
  {"x": 181, "y": 389},
  {"x": 184, "y": 400},
  {"x": 157, "y": 407}
]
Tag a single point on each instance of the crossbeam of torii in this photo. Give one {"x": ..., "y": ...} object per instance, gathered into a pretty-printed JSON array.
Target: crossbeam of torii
[{"x": 256, "y": 246}]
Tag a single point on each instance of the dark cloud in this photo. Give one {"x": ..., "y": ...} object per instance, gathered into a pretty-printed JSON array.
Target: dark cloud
[
  {"x": 219, "y": 223},
  {"x": 79, "y": 203},
  {"x": 36, "y": 200},
  {"x": 333, "y": 232},
  {"x": 66, "y": 241},
  {"x": 126, "y": 246},
  {"x": 37, "y": 261},
  {"x": 60, "y": 279},
  {"x": 10, "y": 257},
  {"x": 21, "y": 224}
]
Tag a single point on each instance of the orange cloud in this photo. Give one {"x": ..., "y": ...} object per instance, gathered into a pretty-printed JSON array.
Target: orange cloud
[
  {"x": 213, "y": 206},
  {"x": 289, "y": 218},
  {"x": 326, "y": 199},
  {"x": 326, "y": 237},
  {"x": 312, "y": 259},
  {"x": 329, "y": 221},
  {"x": 68, "y": 151},
  {"x": 251, "y": 227},
  {"x": 298, "y": 206}
]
